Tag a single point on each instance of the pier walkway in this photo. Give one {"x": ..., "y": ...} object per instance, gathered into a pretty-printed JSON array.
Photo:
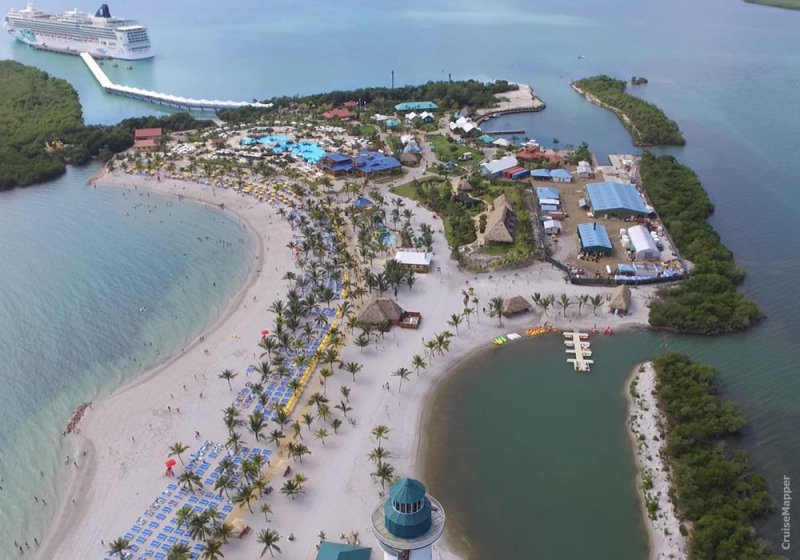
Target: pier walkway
[
  {"x": 577, "y": 343},
  {"x": 162, "y": 98}
]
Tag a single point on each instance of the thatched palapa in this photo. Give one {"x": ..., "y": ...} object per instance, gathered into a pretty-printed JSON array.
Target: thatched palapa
[
  {"x": 501, "y": 222},
  {"x": 516, "y": 304},
  {"x": 380, "y": 311},
  {"x": 620, "y": 299}
]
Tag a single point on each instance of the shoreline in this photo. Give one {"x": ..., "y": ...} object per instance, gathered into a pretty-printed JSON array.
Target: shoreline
[
  {"x": 645, "y": 429},
  {"x": 626, "y": 121},
  {"x": 79, "y": 481}
]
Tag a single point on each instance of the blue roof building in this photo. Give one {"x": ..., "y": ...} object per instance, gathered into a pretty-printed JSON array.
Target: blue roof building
[
  {"x": 336, "y": 164},
  {"x": 416, "y": 106},
  {"x": 615, "y": 199},
  {"x": 561, "y": 176},
  {"x": 548, "y": 192},
  {"x": 371, "y": 162},
  {"x": 594, "y": 238},
  {"x": 486, "y": 139},
  {"x": 541, "y": 174}
]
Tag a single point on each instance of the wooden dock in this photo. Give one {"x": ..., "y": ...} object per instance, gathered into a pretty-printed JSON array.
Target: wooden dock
[{"x": 577, "y": 343}]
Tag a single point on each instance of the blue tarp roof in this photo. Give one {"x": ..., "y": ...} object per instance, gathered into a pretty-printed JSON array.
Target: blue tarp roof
[
  {"x": 416, "y": 106},
  {"x": 540, "y": 173},
  {"x": 486, "y": 139},
  {"x": 561, "y": 173},
  {"x": 337, "y": 158},
  {"x": 593, "y": 235},
  {"x": 548, "y": 208},
  {"x": 609, "y": 197},
  {"x": 548, "y": 192}
]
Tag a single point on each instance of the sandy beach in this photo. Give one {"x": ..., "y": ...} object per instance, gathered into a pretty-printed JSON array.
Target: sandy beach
[
  {"x": 647, "y": 437},
  {"x": 126, "y": 435}
]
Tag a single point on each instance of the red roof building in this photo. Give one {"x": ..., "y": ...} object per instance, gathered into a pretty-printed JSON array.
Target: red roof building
[
  {"x": 147, "y": 133},
  {"x": 146, "y": 144},
  {"x": 338, "y": 114},
  {"x": 531, "y": 154},
  {"x": 350, "y": 104}
]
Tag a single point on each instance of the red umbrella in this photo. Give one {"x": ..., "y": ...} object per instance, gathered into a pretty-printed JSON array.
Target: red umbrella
[
  {"x": 264, "y": 332},
  {"x": 170, "y": 463}
]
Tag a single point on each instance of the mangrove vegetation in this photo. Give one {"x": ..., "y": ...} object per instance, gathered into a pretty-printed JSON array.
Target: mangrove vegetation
[
  {"x": 715, "y": 488},
  {"x": 648, "y": 124},
  {"x": 707, "y": 302}
]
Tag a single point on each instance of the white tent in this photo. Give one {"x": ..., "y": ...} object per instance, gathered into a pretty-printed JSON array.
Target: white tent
[
  {"x": 643, "y": 244},
  {"x": 502, "y": 142}
]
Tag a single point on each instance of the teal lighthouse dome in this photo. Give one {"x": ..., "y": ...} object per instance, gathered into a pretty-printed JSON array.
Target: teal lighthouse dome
[
  {"x": 408, "y": 509},
  {"x": 408, "y": 521}
]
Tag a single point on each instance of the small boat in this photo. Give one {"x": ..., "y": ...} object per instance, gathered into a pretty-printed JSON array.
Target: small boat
[
  {"x": 116, "y": 65},
  {"x": 581, "y": 57},
  {"x": 608, "y": 330},
  {"x": 130, "y": 67},
  {"x": 595, "y": 330},
  {"x": 500, "y": 340}
]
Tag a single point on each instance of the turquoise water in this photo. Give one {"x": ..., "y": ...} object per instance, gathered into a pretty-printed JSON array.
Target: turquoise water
[
  {"x": 76, "y": 271},
  {"x": 727, "y": 71}
]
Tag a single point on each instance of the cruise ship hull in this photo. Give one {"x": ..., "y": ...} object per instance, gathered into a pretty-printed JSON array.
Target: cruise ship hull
[{"x": 73, "y": 46}]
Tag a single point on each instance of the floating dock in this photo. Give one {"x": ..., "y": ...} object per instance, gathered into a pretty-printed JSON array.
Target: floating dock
[
  {"x": 162, "y": 98},
  {"x": 577, "y": 343}
]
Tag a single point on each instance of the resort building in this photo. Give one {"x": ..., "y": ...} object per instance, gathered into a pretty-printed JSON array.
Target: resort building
[
  {"x": 615, "y": 199},
  {"x": 642, "y": 243},
  {"x": 541, "y": 175},
  {"x": 411, "y": 117},
  {"x": 594, "y": 239},
  {"x": 501, "y": 222},
  {"x": 427, "y": 117},
  {"x": 416, "y": 106},
  {"x": 341, "y": 114},
  {"x": 534, "y": 153},
  {"x": 495, "y": 168},
  {"x": 408, "y": 522},
  {"x": 464, "y": 126},
  {"x": 561, "y": 176},
  {"x": 415, "y": 260},
  {"x": 369, "y": 163},
  {"x": 146, "y": 138},
  {"x": 336, "y": 164}
]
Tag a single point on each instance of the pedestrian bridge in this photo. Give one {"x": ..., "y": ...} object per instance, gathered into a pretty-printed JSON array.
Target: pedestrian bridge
[{"x": 162, "y": 98}]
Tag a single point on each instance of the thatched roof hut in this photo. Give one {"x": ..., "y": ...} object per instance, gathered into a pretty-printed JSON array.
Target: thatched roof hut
[
  {"x": 380, "y": 311},
  {"x": 501, "y": 222},
  {"x": 620, "y": 299},
  {"x": 516, "y": 304}
]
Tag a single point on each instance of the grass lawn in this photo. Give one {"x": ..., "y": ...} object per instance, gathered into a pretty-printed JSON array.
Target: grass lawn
[
  {"x": 407, "y": 191},
  {"x": 451, "y": 151},
  {"x": 366, "y": 130}
]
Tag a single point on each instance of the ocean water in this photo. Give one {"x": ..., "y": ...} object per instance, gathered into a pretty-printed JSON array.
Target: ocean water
[
  {"x": 727, "y": 71},
  {"x": 77, "y": 265}
]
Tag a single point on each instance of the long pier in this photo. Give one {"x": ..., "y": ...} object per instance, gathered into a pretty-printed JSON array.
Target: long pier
[{"x": 162, "y": 98}]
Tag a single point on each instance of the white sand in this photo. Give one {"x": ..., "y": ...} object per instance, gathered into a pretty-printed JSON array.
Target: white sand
[
  {"x": 647, "y": 434},
  {"x": 121, "y": 477}
]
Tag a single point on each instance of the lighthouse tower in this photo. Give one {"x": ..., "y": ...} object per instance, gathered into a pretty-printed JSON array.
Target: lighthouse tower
[{"x": 408, "y": 522}]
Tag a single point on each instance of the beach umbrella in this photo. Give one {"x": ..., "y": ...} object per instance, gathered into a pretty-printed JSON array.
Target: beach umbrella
[
  {"x": 170, "y": 463},
  {"x": 265, "y": 332}
]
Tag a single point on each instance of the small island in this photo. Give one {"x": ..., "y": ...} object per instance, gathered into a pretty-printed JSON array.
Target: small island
[
  {"x": 638, "y": 81},
  {"x": 785, "y": 4},
  {"x": 648, "y": 124}
]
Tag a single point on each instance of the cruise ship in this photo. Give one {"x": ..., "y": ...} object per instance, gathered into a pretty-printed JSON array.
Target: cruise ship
[{"x": 74, "y": 32}]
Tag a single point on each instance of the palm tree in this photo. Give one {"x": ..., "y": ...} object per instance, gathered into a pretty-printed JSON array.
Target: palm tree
[
  {"x": 281, "y": 416},
  {"x": 325, "y": 373},
  {"x": 402, "y": 373},
  {"x": 324, "y": 411},
  {"x": 475, "y": 302},
  {"x": 266, "y": 509},
  {"x": 223, "y": 533},
  {"x": 321, "y": 434},
  {"x": 179, "y": 551},
  {"x": 596, "y": 302},
  {"x": 199, "y": 527},
  {"x": 190, "y": 479},
  {"x": 234, "y": 441},
  {"x": 467, "y": 313},
  {"x": 362, "y": 341},
  {"x": 455, "y": 320},
  {"x": 183, "y": 515},
  {"x": 297, "y": 450},
  {"x": 176, "y": 449},
  {"x": 344, "y": 407},
  {"x": 223, "y": 484},
  {"x": 244, "y": 495},
  {"x": 269, "y": 344},
  {"x": 380, "y": 432},
  {"x": 353, "y": 368},
  {"x": 335, "y": 424},
  {"x": 564, "y": 302},
  {"x": 213, "y": 550},
  {"x": 227, "y": 375},
  {"x": 275, "y": 436},
  {"x": 378, "y": 454},
  {"x": 257, "y": 422},
  {"x": 547, "y": 302},
  {"x": 581, "y": 301},
  {"x": 317, "y": 399},
  {"x": 383, "y": 472},
  {"x": 345, "y": 391},
  {"x": 418, "y": 363},
  {"x": 300, "y": 479},
  {"x": 269, "y": 538},
  {"x": 291, "y": 488},
  {"x": 496, "y": 309},
  {"x": 118, "y": 547}
]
